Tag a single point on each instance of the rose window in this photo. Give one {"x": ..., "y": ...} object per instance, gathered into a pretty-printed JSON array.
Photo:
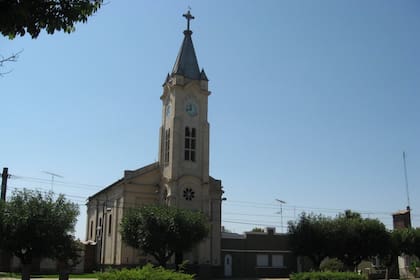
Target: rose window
[{"x": 188, "y": 194}]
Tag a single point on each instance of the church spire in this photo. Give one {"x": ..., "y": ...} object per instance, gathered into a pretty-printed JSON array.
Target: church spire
[{"x": 186, "y": 63}]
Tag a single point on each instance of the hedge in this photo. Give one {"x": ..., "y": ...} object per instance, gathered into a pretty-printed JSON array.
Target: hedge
[
  {"x": 327, "y": 275},
  {"x": 147, "y": 272}
]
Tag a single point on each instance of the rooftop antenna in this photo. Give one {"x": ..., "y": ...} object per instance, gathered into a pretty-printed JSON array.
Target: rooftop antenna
[
  {"x": 53, "y": 175},
  {"x": 406, "y": 182},
  {"x": 281, "y": 202}
]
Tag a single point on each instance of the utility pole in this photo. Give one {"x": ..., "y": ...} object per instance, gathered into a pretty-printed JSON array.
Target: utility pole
[{"x": 4, "y": 177}]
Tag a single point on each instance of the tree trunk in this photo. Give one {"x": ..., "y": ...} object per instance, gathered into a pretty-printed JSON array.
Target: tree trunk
[
  {"x": 26, "y": 271},
  {"x": 63, "y": 275},
  {"x": 161, "y": 261},
  {"x": 63, "y": 270},
  {"x": 178, "y": 260}
]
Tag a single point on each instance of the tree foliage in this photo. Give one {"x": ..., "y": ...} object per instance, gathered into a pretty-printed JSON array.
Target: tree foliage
[
  {"x": 407, "y": 241},
  {"x": 348, "y": 237},
  {"x": 35, "y": 225},
  {"x": 163, "y": 231},
  {"x": 309, "y": 236},
  {"x": 18, "y": 17},
  {"x": 356, "y": 239},
  {"x": 68, "y": 254},
  {"x": 331, "y": 264}
]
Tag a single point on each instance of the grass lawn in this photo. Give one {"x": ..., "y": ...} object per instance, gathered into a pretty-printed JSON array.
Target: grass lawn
[{"x": 72, "y": 276}]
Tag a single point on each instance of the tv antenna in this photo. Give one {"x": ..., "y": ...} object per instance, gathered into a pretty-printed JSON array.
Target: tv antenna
[
  {"x": 53, "y": 175},
  {"x": 406, "y": 181},
  {"x": 281, "y": 202}
]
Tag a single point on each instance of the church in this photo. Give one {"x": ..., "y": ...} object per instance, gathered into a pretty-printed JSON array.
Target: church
[{"x": 180, "y": 178}]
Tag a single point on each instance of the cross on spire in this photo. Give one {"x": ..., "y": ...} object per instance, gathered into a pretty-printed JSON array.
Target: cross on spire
[{"x": 189, "y": 17}]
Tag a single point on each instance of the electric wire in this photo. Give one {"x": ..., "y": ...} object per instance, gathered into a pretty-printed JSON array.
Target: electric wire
[{"x": 229, "y": 216}]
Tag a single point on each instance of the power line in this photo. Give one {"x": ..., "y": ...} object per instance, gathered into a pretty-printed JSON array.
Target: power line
[
  {"x": 81, "y": 201},
  {"x": 296, "y": 207},
  {"x": 42, "y": 180},
  {"x": 261, "y": 205}
]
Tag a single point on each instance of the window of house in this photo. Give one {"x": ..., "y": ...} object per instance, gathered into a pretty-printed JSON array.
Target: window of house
[
  {"x": 190, "y": 144},
  {"x": 167, "y": 145},
  {"x": 277, "y": 261},
  {"x": 262, "y": 260},
  {"x": 109, "y": 223}
]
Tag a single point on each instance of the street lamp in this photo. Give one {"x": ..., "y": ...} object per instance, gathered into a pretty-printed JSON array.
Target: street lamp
[{"x": 281, "y": 212}]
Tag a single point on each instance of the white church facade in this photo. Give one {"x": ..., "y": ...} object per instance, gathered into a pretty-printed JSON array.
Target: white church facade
[{"x": 180, "y": 178}]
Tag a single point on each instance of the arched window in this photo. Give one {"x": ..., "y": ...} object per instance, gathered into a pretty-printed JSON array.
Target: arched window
[
  {"x": 190, "y": 144},
  {"x": 91, "y": 230},
  {"x": 167, "y": 145},
  {"x": 109, "y": 224}
]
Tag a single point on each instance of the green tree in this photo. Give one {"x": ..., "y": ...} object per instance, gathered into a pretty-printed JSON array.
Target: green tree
[
  {"x": 408, "y": 241},
  {"x": 348, "y": 237},
  {"x": 18, "y": 17},
  {"x": 257, "y": 229},
  {"x": 309, "y": 237},
  {"x": 356, "y": 239},
  {"x": 163, "y": 231},
  {"x": 34, "y": 225},
  {"x": 67, "y": 253},
  {"x": 331, "y": 264}
]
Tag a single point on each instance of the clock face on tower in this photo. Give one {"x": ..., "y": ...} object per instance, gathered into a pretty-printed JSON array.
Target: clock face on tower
[{"x": 191, "y": 109}]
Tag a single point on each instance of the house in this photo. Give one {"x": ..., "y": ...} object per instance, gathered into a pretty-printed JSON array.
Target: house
[{"x": 257, "y": 254}]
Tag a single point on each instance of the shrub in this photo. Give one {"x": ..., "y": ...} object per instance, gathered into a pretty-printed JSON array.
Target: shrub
[
  {"x": 327, "y": 276},
  {"x": 147, "y": 272},
  {"x": 333, "y": 264},
  {"x": 413, "y": 267}
]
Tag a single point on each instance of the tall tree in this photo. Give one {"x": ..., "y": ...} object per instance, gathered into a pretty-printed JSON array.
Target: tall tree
[
  {"x": 356, "y": 239},
  {"x": 68, "y": 255},
  {"x": 309, "y": 237},
  {"x": 163, "y": 231},
  {"x": 348, "y": 237},
  {"x": 35, "y": 224},
  {"x": 408, "y": 241},
  {"x": 18, "y": 17}
]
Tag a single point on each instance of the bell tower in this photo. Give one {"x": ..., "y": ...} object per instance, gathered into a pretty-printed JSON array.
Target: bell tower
[
  {"x": 184, "y": 146},
  {"x": 184, "y": 134}
]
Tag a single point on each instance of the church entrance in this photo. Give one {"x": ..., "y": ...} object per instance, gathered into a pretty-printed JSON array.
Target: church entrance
[{"x": 228, "y": 266}]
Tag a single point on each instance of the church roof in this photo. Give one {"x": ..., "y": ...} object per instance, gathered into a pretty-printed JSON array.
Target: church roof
[
  {"x": 186, "y": 63},
  {"x": 128, "y": 174}
]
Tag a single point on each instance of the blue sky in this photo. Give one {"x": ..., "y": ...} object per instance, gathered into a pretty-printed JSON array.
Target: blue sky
[{"x": 313, "y": 103}]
